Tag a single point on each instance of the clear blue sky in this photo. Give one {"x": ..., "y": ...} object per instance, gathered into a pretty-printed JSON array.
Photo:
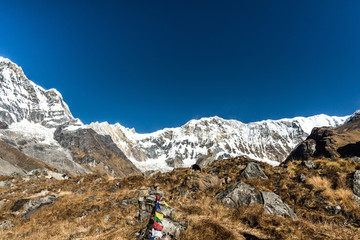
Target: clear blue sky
[{"x": 155, "y": 64}]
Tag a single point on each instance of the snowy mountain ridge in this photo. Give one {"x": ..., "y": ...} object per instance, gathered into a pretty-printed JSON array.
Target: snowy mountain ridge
[
  {"x": 268, "y": 140},
  {"x": 30, "y": 110}
]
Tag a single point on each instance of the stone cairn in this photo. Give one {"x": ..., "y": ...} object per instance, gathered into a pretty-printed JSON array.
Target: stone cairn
[{"x": 152, "y": 206}]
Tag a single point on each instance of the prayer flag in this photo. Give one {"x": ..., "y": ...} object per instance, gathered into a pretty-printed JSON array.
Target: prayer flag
[
  {"x": 157, "y": 206},
  {"x": 159, "y": 215},
  {"x": 156, "y": 233},
  {"x": 158, "y": 197},
  {"x": 157, "y": 219},
  {"x": 164, "y": 203},
  {"x": 158, "y": 226}
]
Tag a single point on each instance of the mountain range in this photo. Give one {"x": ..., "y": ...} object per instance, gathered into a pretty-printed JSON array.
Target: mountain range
[{"x": 37, "y": 124}]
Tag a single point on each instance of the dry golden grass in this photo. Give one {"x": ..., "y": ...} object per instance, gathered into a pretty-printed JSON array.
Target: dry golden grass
[{"x": 81, "y": 209}]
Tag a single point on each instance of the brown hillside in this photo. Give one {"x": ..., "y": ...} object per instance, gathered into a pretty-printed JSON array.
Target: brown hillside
[
  {"x": 90, "y": 208},
  {"x": 19, "y": 160}
]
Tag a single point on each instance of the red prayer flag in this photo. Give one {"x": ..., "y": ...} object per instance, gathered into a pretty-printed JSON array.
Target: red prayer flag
[{"x": 158, "y": 226}]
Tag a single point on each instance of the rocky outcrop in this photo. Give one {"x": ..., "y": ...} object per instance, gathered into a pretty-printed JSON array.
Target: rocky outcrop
[
  {"x": 34, "y": 205},
  {"x": 242, "y": 194},
  {"x": 253, "y": 170},
  {"x": 97, "y": 151},
  {"x": 342, "y": 141}
]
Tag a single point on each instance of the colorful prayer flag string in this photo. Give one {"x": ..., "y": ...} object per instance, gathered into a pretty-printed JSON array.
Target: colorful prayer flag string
[{"x": 156, "y": 230}]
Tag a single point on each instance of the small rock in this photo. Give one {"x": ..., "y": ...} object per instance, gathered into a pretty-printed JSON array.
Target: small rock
[
  {"x": 172, "y": 228},
  {"x": 6, "y": 184},
  {"x": 126, "y": 202},
  {"x": 3, "y": 125},
  {"x": 144, "y": 191},
  {"x": 131, "y": 222},
  {"x": 226, "y": 181},
  {"x": 150, "y": 173},
  {"x": 81, "y": 180},
  {"x": 3, "y": 201},
  {"x": 157, "y": 192},
  {"x": 107, "y": 218},
  {"x": 356, "y": 183},
  {"x": 6, "y": 224},
  {"x": 355, "y": 159},
  {"x": 109, "y": 229},
  {"x": 35, "y": 172},
  {"x": 204, "y": 161},
  {"x": 168, "y": 212},
  {"x": 253, "y": 170},
  {"x": 356, "y": 198},
  {"x": 309, "y": 164},
  {"x": 302, "y": 177},
  {"x": 174, "y": 162},
  {"x": 333, "y": 209},
  {"x": 98, "y": 180},
  {"x": 34, "y": 205},
  {"x": 18, "y": 205},
  {"x": 200, "y": 181}
]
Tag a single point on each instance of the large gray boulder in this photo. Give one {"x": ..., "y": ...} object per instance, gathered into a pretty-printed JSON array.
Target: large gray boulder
[
  {"x": 242, "y": 194},
  {"x": 274, "y": 205},
  {"x": 239, "y": 194},
  {"x": 356, "y": 183},
  {"x": 34, "y": 205},
  {"x": 253, "y": 170}
]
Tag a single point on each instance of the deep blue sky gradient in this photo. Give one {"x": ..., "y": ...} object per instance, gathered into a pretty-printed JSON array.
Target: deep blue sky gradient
[{"x": 155, "y": 64}]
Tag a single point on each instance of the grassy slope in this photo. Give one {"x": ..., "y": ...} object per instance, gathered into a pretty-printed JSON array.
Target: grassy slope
[{"x": 80, "y": 211}]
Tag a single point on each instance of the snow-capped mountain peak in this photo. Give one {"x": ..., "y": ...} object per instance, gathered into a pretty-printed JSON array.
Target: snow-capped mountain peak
[{"x": 22, "y": 99}]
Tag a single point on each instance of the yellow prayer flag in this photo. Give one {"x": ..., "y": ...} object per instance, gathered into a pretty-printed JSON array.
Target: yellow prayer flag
[
  {"x": 159, "y": 215},
  {"x": 164, "y": 203}
]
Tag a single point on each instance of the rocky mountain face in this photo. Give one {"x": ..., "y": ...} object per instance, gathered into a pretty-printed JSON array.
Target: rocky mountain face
[
  {"x": 29, "y": 117},
  {"x": 270, "y": 140},
  {"x": 13, "y": 161},
  {"x": 22, "y": 99},
  {"x": 38, "y": 142},
  {"x": 94, "y": 150},
  {"x": 342, "y": 141}
]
